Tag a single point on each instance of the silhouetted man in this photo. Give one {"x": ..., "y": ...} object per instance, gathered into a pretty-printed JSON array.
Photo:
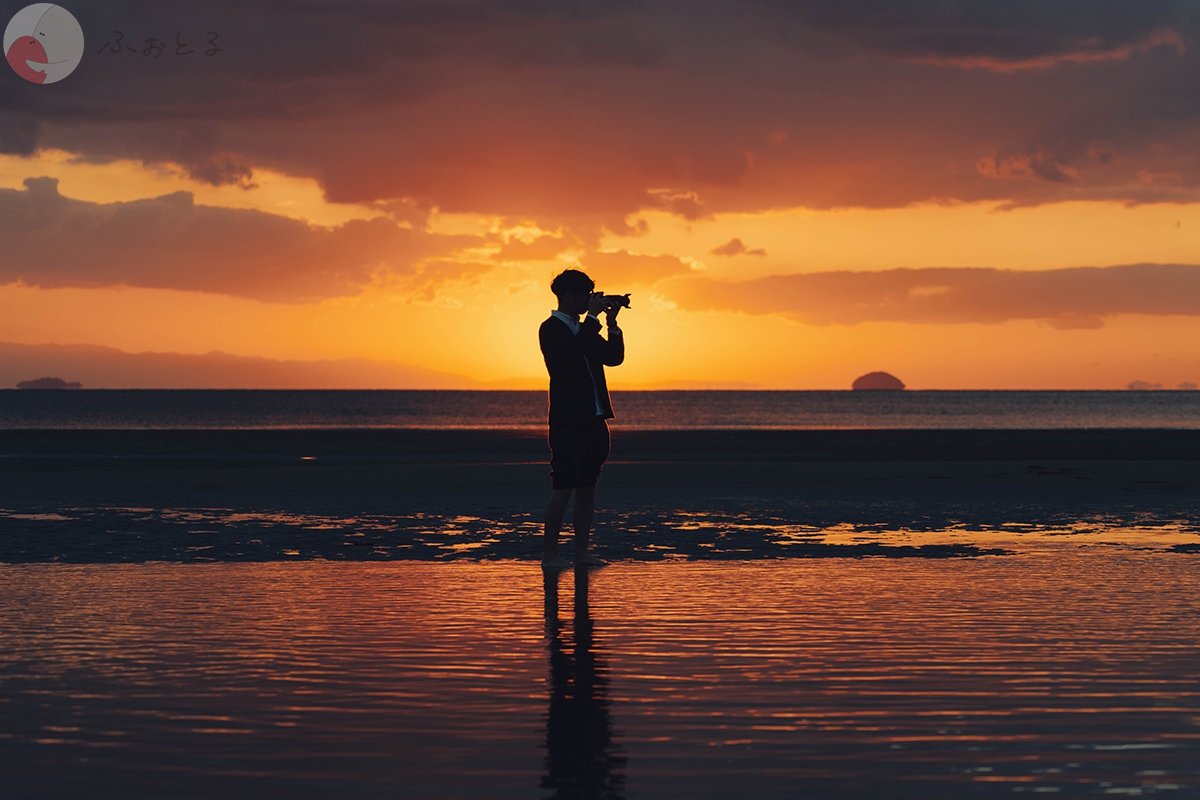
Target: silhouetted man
[{"x": 575, "y": 356}]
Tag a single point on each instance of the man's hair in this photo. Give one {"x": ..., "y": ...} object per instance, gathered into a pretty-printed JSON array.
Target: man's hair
[{"x": 571, "y": 281}]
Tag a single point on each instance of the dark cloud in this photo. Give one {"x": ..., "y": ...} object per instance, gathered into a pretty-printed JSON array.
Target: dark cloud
[
  {"x": 684, "y": 203},
  {"x": 1073, "y": 298},
  {"x": 622, "y": 47},
  {"x": 596, "y": 110},
  {"x": 169, "y": 242},
  {"x": 735, "y": 247},
  {"x": 19, "y": 134},
  {"x": 1025, "y": 166},
  {"x": 1003, "y": 36},
  {"x": 404, "y": 211}
]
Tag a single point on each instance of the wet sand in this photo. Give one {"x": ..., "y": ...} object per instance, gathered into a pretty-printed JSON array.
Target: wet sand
[{"x": 365, "y": 487}]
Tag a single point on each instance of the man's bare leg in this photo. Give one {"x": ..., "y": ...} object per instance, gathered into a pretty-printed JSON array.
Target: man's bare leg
[
  {"x": 556, "y": 509},
  {"x": 585, "y": 503}
]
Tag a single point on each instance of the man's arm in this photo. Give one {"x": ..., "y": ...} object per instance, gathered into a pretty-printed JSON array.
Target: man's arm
[{"x": 610, "y": 351}]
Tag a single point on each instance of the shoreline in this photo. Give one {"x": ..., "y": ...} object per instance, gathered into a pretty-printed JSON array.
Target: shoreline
[
  {"x": 412, "y": 445},
  {"x": 116, "y": 495}
]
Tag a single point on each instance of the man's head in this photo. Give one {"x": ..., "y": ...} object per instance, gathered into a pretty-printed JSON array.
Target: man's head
[{"x": 572, "y": 288}]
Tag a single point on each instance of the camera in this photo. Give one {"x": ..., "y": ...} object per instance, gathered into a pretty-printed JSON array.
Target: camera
[{"x": 612, "y": 301}]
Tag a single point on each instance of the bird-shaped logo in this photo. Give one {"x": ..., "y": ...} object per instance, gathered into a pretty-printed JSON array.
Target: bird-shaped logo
[{"x": 43, "y": 43}]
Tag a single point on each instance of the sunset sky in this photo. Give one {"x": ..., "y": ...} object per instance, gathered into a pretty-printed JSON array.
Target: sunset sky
[{"x": 968, "y": 195}]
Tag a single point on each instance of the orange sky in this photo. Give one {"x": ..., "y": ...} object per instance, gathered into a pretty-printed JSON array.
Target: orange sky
[{"x": 765, "y": 245}]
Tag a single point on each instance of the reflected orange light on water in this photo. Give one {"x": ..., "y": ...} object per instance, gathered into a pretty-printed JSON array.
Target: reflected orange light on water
[{"x": 1062, "y": 673}]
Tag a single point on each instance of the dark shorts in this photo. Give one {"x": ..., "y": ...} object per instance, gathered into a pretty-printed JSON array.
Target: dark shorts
[{"x": 577, "y": 453}]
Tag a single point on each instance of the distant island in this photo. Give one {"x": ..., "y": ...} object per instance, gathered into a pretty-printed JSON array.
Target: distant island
[
  {"x": 877, "y": 380},
  {"x": 1144, "y": 386},
  {"x": 48, "y": 383}
]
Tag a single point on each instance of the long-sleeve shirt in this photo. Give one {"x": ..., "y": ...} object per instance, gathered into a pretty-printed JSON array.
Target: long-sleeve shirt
[{"x": 575, "y": 358}]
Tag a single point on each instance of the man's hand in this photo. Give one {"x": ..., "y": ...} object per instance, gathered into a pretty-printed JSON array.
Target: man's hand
[
  {"x": 610, "y": 315},
  {"x": 596, "y": 303}
]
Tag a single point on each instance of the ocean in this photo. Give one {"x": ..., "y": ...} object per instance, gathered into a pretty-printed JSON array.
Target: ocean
[{"x": 650, "y": 410}]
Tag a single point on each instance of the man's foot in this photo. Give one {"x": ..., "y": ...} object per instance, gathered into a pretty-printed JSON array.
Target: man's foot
[
  {"x": 590, "y": 561},
  {"x": 554, "y": 562}
]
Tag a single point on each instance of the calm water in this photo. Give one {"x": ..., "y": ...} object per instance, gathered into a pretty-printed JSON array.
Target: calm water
[
  {"x": 1074, "y": 672},
  {"x": 148, "y": 408}
]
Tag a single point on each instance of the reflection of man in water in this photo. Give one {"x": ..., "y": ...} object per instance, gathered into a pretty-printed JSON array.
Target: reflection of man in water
[
  {"x": 581, "y": 761},
  {"x": 575, "y": 356}
]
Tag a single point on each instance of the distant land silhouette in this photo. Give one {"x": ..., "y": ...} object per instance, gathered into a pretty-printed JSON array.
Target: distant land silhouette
[
  {"x": 877, "y": 380},
  {"x": 49, "y": 383},
  {"x": 100, "y": 367},
  {"x": 1143, "y": 386}
]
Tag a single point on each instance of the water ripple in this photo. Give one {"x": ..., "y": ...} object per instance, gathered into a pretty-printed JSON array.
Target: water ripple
[{"x": 1075, "y": 675}]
